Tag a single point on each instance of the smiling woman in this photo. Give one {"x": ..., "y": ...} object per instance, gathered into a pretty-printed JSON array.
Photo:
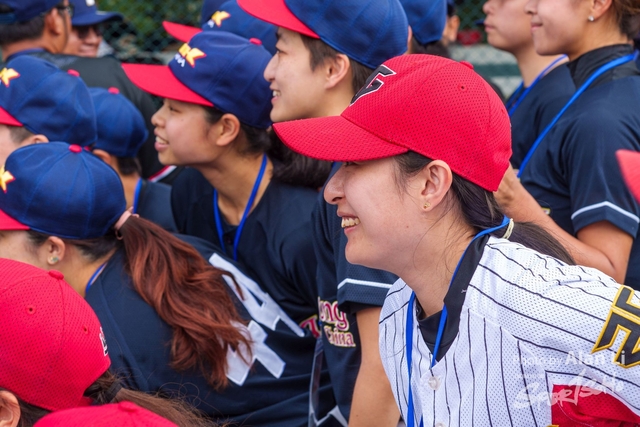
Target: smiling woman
[{"x": 416, "y": 198}]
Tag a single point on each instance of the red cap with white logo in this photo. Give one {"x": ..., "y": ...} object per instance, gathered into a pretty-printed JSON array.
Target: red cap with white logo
[
  {"x": 434, "y": 106},
  {"x": 51, "y": 343}
]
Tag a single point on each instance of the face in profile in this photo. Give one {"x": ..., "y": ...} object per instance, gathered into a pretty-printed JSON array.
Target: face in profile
[
  {"x": 507, "y": 25},
  {"x": 84, "y": 41}
]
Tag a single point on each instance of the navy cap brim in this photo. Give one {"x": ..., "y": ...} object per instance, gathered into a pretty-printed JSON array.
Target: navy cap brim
[{"x": 95, "y": 18}]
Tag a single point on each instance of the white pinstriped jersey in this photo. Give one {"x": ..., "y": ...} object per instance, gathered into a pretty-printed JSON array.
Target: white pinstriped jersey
[{"x": 528, "y": 323}]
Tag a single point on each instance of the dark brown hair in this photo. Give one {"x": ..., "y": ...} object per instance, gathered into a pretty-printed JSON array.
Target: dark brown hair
[
  {"x": 321, "y": 52},
  {"x": 481, "y": 211},
  {"x": 289, "y": 167},
  {"x": 627, "y": 13},
  {"x": 188, "y": 293},
  {"x": 174, "y": 410}
]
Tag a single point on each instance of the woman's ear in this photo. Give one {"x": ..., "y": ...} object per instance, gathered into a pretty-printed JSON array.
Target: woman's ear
[
  {"x": 336, "y": 70},
  {"x": 9, "y": 410},
  {"x": 435, "y": 180},
  {"x": 52, "y": 251},
  {"x": 225, "y": 130}
]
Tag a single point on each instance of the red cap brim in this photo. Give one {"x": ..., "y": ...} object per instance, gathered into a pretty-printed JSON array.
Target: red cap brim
[
  {"x": 159, "y": 80},
  {"x": 8, "y": 119},
  {"x": 630, "y": 166},
  {"x": 334, "y": 139},
  {"x": 7, "y": 223},
  {"x": 277, "y": 13},
  {"x": 179, "y": 31}
]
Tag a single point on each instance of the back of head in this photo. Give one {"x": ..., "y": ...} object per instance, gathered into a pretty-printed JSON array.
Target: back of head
[
  {"x": 46, "y": 100},
  {"x": 51, "y": 341},
  {"x": 22, "y": 19},
  {"x": 367, "y": 31},
  {"x": 121, "y": 127},
  {"x": 123, "y": 414}
]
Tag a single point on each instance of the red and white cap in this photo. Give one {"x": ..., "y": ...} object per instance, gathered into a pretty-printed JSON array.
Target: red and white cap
[
  {"x": 629, "y": 162},
  {"x": 124, "y": 414},
  {"x": 434, "y": 106},
  {"x": 51, "y": 343}
]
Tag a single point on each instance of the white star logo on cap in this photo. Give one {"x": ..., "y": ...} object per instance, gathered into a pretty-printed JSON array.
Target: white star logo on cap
[{"x": 91, "y": 3}]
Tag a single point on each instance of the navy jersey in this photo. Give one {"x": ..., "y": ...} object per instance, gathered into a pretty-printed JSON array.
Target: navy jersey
[
  {"x": 272, "y": 391},
  {"x": 275, "y": 246},
  {"x": 343, "y": 290},
  {"x": 154, "y": 204},
  {"x": 574, "y": 174},
  {"x": 537, "y": 109}
]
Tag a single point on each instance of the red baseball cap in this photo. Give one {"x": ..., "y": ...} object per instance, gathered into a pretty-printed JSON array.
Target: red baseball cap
[
  {"x": 434, "y": 106},
  {"x": 629, "y": 162},
  {"x": 124, "y": 414},
  {"x": 51, "y": 343}
]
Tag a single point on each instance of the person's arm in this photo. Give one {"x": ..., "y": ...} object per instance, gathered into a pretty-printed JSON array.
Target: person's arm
[
  {"x": 601, "y": 245},
  {"x": 373, "y": 403}
]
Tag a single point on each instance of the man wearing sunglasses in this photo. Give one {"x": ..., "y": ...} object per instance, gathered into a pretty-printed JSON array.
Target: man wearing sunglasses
[
  {"x": 42, "y": 28},
  {"x": 87, "y": 25}
]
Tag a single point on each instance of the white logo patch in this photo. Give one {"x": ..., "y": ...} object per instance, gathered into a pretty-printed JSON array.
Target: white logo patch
[
  {"x": 91, "y": 3},
  {"x": 104, "y": 342}
]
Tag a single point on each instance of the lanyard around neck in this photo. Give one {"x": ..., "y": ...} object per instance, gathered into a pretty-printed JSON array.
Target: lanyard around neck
[
  {"x": 252, "y": 198},
  {"x": 443, "y": 320},
  {"x": 136, "y": 196},
  {"x": 94, "y": 276},
  {"x": 512, "y": 106},
  {"x": 603, "y": 69}
]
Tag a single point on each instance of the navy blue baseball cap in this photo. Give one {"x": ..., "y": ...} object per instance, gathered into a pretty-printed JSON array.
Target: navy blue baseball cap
[
  {"x": 229, "y": 17},
  {"x": 367, "y": 31},
  {"x": 46, "y": 100},
  {"x": 427, "y": 18},
  {"x": 86, "y": 13},
  {"x": 121, "y": 127},
  {"x": 215, "y": 69},
  {"x": 61, "y": 190},
  {"x": 25, "y": 10}
]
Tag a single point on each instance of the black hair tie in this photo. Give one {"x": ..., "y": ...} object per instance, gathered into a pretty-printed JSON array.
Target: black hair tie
[{"x": 112, "y": 392}]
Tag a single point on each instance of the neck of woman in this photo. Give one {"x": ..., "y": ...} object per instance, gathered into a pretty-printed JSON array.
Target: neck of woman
[
  {"x": 599, "y": 35},
  {"x": 531, "y": 64},
  {"x": 433, "y": 262},
  {"x": 234, "y": 177}
]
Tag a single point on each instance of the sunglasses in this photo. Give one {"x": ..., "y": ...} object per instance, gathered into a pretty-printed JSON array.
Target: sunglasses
[
  {"x": 69, "y": 9},
  {"x": 83, "y": 30}
]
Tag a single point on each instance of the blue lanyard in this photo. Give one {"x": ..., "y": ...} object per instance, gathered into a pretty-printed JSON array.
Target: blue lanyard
[
  {"x": 252, "y": 198},
  {"x": 512, "y": 106},
  {"x": 606, "y": 67},
  {"x": 136, "y": 196},
  {"x": 443, "y": 320},
  {"x": 94, "y": 276}
]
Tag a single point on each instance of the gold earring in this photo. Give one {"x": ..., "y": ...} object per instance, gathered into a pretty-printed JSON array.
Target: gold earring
[{"x": 427, "y": 205}]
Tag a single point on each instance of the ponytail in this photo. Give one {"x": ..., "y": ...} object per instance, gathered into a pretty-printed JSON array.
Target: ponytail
[
  {"x": 188, "y": 294},
  {"x": 174, "y": 410},
  {"x": 481, "y": 210}
]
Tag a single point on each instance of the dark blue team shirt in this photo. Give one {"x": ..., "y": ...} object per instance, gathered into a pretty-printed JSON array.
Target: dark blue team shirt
[
  {"x": 537, "y": 109},
  {"x": 574, "y": 174},
  {"x": 273, "y": 391},
  {"x": 275, "y": 245},
  {"x": 154, "y": 204},
  {"x": 343, "y": 290}
]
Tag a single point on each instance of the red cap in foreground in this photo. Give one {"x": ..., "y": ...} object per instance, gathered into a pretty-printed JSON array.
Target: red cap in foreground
[
  {"x": 124, "y": 414},
  {"x": 51, "y": 343},
  {"x": 434, "y": 106}
]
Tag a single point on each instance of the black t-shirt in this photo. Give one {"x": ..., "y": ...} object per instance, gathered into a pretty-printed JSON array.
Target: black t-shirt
[
  {"x": 154, "y": 204},
  {"x": 107, "y": 72},
  {"x": 538, "y": 109},
  {"x": 574, "y": 174},
  {"x": 275, "y": 245},
  {"x": 272, "y": 391}
]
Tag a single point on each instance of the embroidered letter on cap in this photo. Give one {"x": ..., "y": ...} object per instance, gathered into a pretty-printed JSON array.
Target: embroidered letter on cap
[
  {"x": 191, "y": 55},
  {"x": 218, "y": 17},
  {"x": 373, "y": 83},
  {"x": 8, "y": 74},
  {"x": 5, "y": 178}
]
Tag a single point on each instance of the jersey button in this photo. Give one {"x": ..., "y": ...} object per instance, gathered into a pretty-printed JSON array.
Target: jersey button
[{"x": 434, "y": 383}]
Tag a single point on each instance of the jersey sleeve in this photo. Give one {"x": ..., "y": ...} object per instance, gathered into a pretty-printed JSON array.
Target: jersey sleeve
[{"x": 598, "y": 192}]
